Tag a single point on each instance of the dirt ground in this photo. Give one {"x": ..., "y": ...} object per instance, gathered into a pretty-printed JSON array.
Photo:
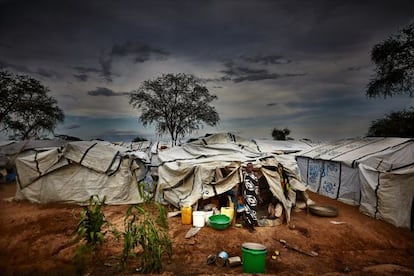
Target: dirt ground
[{"x": 36, "y": 239}]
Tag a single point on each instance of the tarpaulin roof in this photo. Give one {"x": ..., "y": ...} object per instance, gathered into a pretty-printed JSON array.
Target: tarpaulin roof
[{"x": 353, "y": 151}]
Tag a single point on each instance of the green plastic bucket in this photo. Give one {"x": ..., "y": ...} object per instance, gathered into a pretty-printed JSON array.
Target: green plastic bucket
[{"x": 254, "y": 257}]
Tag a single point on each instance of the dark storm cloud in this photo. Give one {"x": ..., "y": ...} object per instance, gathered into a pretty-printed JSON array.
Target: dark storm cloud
[
  {"x": 265, "y": 76},
  {"x": 81, "y": 77},
  {"x": 271, "y": 43},
  {"x": 139, "y": 52},
  {"x": 239, "y": 73},
  {"x": 42, "y": 72},
  {"x": 106, "y": 66},
  {"x": 329, "y": 105},
  {"x": 266, "y": 60},
  {"x": 338, "y": 27},
  {"x": 83, "y": 70},
  {"x": 47, "y": 73},
  {"x": 14, "y": 67},
  {"x": 260, "y": 28},
  {"x": 103, "y": 91},
  {"x": 72, "y": 31},
  {"x": 83, "y": 73}
]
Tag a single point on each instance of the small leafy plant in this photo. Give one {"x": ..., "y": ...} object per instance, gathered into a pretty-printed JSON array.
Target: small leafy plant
[
  {"x": 142, "y": 229},
  {"x": 146, "y": 191},
  {"x": 91, "y": 222},
  {"x": 130, "y": 235},
  {"x": 89, "y": 229}
]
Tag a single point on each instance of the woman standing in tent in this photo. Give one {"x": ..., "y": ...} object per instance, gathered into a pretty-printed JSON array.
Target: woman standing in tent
[{"x": 250, "y": 192}]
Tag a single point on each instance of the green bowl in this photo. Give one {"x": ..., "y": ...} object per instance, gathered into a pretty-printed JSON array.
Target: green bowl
[{"x": 219, "y": 222}]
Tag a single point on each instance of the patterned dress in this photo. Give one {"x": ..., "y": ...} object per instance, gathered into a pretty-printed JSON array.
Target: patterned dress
[{"x": 250, "y": 190}]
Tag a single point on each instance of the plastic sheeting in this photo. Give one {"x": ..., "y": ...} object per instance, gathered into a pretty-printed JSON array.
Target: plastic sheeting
[
  {"x": 79, "y": 170},
  {"x": 388, "y": 195},
  {"x": 375, "y": 173},
  {"x": 191, "y": 172}
]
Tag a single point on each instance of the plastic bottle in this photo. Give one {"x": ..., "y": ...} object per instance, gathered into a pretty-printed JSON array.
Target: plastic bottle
[{"x": 186, "y": 215}]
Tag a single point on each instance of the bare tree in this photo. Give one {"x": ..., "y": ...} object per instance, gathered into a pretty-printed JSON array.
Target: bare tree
[
  {"x": 176, "y": 103},
  {"x": 26, "y": 111}
]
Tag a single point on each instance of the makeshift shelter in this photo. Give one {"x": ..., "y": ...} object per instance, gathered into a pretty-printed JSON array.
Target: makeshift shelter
[
  {"x": 151, "y": 149},
  {"x": 9, "y": 150},
  {"x": 284, "y": 146},
  {"x": 212, "y": 165},
  {"x": 375, "y": 173},
  {"x": 74, "y": 172}
]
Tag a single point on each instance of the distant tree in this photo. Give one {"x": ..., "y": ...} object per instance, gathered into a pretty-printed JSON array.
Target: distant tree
[
  {"x": 26, "y": 111},
  {"x": 395, "y": 124},
  {"x": 280, "y": 134},
  {"x": 394, "y": 60},
  {"x": 139, "y": 139},
  {"x": 176, "y": 103},
  {"x": 67, "y": 137}
]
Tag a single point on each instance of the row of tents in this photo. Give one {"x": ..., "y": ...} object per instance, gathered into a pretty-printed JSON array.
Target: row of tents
[{"x": 375, "y": 173}]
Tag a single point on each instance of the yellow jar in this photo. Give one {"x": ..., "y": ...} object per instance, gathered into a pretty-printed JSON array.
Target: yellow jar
[
  {"x": 186, "y": 214},
  {"x": 228, "y": 211}
]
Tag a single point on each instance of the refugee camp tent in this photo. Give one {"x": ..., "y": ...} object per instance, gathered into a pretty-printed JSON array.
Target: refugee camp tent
[
  {"x": 74, "y": 172},
  {"x": 9, "y": 150},
  {"x": 5, "y": 163},
  {"x": 4, "y": 157},
  {"x": 212, "y": 165},
  {"x": 284, "y": 149},
  {"x": 151, "y": 149},
  {"x": 284, "y": 146},
  {"x": 375, "y": 173}
]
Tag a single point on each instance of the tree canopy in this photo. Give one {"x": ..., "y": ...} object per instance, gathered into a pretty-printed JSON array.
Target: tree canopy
[
  {"x": 394, "y": 124},
  {"x": 176, "y": 103},
  {"x": 394, "y": 60},
  {"x": 280, "y": 134},
  {"x": 139, "y": 139},
  {"x": 26, "y": 111}
]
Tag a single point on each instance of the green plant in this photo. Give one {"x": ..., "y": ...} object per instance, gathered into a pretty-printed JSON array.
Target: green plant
[
  {"x": 130, "y": 235},
  {"x": 142, "y": 229},
  {"x": 91, "y": 222},
  {"x": 146, "y": 191},
  {"x": 162, "y": 216},
  {"x": 83, "y": 255}
]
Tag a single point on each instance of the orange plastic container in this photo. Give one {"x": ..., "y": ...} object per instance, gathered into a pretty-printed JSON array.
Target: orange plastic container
[{"x": 186, "y": 214}]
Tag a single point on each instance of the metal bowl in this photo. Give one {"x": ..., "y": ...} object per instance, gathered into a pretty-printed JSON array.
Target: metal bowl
[{"x": 323, "y": 210}]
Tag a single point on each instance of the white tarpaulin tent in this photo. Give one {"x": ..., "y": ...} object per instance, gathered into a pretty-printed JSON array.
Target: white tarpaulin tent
[
  {"x": 10, "y": 149},
  {"x": 193, "y": 170},
  {"x": 284, "y": 146},
  {"x": 78, "y": 170},
  {"x": 151, "y": 149},
  {"x": 375, "y": 173}
]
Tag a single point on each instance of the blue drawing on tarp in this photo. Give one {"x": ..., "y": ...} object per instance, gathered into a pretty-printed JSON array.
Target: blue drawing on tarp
[
  {"x": 313, "y": 173},
  {"x": 332, "y": 167},
  {"x": 329, "y": 187}
]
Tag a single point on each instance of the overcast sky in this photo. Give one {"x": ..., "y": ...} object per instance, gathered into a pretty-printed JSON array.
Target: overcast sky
[{"x": 303, "y": 65}]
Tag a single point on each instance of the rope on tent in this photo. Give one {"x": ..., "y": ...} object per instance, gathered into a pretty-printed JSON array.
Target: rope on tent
[{"x": 86, "y": 152}]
